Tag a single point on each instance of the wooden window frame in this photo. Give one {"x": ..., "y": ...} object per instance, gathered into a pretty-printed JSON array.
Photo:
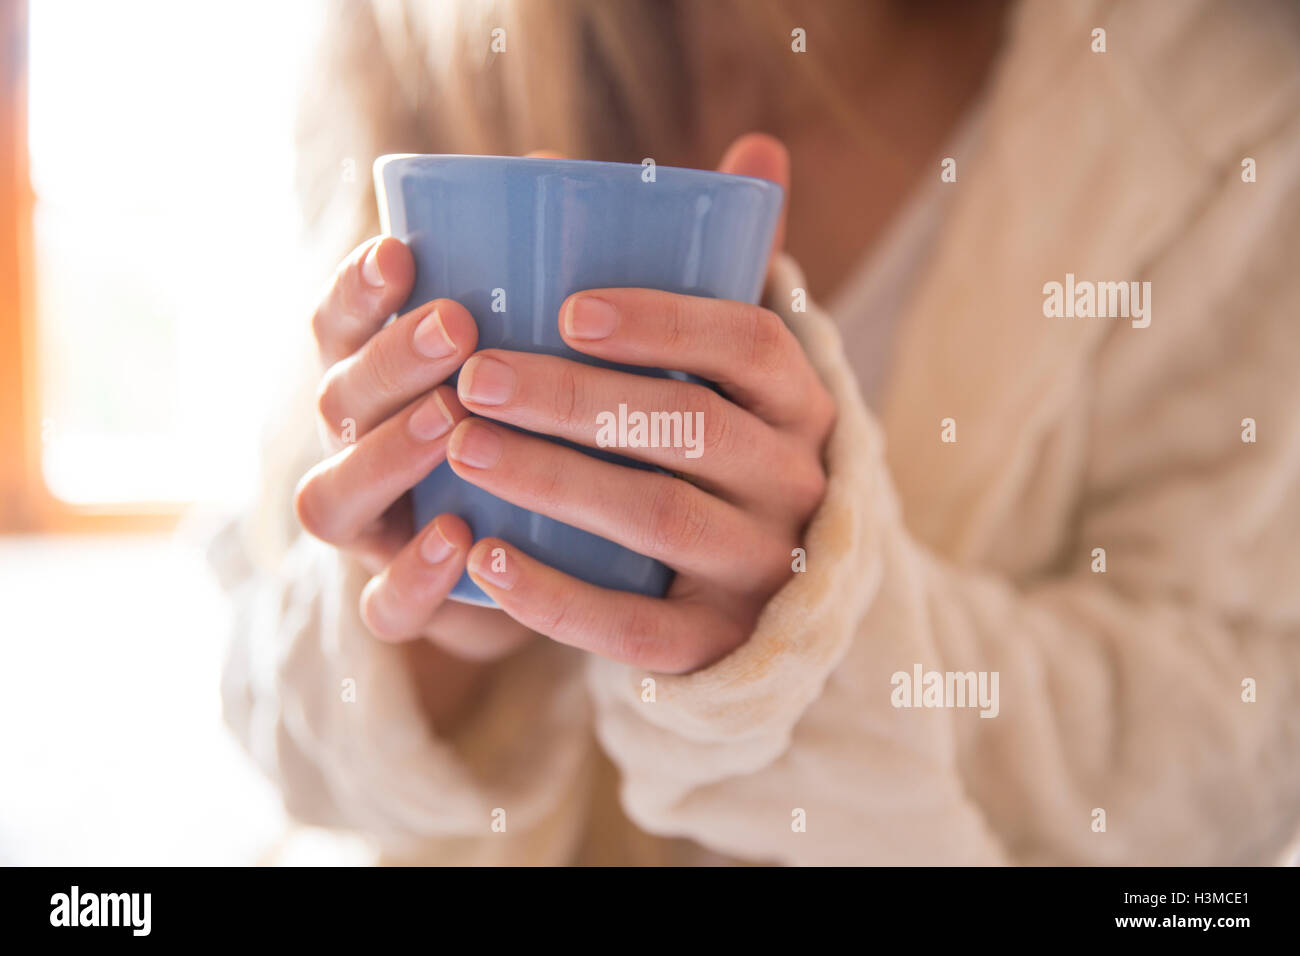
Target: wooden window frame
[{"x": 26, "y": 503}]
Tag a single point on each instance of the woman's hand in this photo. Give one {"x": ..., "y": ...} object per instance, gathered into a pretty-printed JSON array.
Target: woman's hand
[
  {"x": 386, "y": 416},
  {"x": 728, "y": 526}
]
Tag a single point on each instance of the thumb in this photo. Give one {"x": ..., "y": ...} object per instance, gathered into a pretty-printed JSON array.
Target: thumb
[{"x": 763, "y": 157}]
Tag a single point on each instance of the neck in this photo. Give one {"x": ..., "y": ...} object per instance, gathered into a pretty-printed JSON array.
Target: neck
[{"x": 863, "y": 118}]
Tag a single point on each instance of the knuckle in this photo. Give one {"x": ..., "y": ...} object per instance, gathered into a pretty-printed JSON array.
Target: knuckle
[
  {"x": 677, "y": 518},
  {"x": 809, "y": 488},
  {"x": 329, "y": 403},
  {"x": 381, "y": 367},
  {"x": 550, "y": 485},
  {"x": 719, "y": 425},
  {"x": 319, "y": 326},
  {"x": 551, "y": 479},
  {"x": 400, "y": 598},
  {"x": 676, "y": 323},
  {"x": 635, "y": 640},
  {"x": 765, "y": 341},
  {"x": 376, "y": 615},
  {"x": 349, "y": 294},
  {"x": 310, "y": 507},
  {"x": 559, "y": 615},
  {"x": 566, "y": 395}
]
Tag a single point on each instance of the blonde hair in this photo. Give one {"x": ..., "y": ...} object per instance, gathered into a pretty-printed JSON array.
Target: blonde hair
[{"x": 596, "y": 79}]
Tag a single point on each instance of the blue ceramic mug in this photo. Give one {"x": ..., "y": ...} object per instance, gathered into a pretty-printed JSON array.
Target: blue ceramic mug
[{"x": 511, "y": 238}]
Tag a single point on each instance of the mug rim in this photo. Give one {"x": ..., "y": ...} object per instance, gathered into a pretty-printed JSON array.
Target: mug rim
[{"x": 593, "y": 165}]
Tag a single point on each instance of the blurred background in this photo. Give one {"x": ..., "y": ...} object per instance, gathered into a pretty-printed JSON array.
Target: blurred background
[
  {"x": 155, "y": 294},
  {"x": 150, "y": 251}
]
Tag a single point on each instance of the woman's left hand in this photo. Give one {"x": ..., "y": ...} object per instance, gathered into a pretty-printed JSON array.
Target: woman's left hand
[{"x": 728, "y": 530}]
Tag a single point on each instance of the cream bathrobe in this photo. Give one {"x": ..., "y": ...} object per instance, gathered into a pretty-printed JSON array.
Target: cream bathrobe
[{"x": 1119, "y": 691}]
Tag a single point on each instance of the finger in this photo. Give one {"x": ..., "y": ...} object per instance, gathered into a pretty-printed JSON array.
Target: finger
[
  {"x": 344, "y": 495},
  {"x": 689, "y": 429},
  {"x": 763, "y": 157},
  {"x": 418, "y": 351},
  {"x": 369, "y": 286},
  {"x": 670, "y": 636},
  {"x": 651, "y": 513},
  {"x": 745, "y": 349},
  {"x": 397, "y": 603},
  {"x": 380, "y": 542}
]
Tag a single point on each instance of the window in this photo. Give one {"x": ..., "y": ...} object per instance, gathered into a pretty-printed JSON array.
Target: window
[{"x": 154, "y": 298}]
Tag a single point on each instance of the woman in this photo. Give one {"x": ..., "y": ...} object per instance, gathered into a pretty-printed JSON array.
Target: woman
[{"x": 1091, "y": 519}]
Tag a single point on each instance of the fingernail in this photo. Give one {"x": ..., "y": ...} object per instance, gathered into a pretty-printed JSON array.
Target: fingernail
[
  {"x": 370, "y": 273},
  {"x": 475, "y": 445},
  {"x": 486, "y": 381},
  {"x": 431, "y": 338},
  {"x": 435, "y": 548},
  {"x": 496, "y": 566},
  {"x": 431, "y": 420},
  {"x": 590, "y": 318}
]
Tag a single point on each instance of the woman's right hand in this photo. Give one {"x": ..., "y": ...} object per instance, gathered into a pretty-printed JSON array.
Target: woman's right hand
[{"x": 386, "y": 413}]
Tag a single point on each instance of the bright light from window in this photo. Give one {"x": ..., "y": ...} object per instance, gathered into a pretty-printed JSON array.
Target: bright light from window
[{"x": 169, "y": 280}]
